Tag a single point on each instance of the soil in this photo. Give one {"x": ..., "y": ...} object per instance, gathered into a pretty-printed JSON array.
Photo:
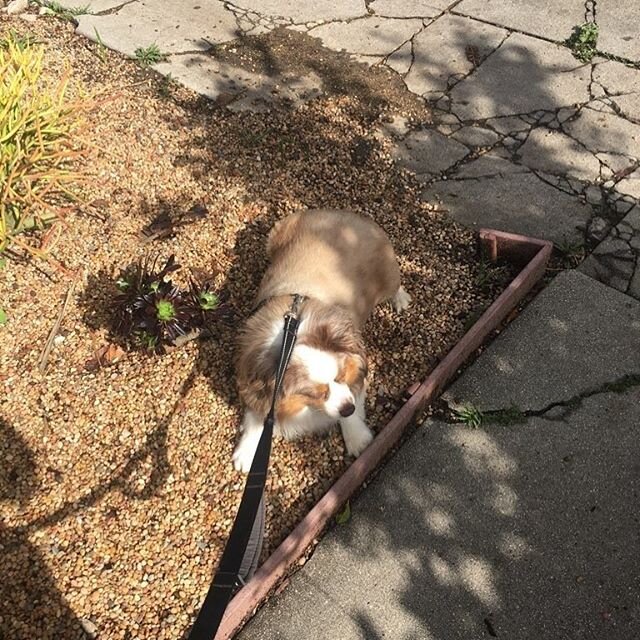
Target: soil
[{"x": 117, "y": 490}]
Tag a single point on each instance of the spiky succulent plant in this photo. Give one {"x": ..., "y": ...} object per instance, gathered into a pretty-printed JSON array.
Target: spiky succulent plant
[
  {"x": 208, "y": 305},
  {"x": 151, "y": 311}
]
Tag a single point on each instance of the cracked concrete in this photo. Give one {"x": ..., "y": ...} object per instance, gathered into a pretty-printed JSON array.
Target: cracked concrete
[
  {"x": 295, "y": 12},
  {"x": 251, "y": 91},
  {"x": 545, "y": 18},
  {"x": 615, "y": 261},
  {"x": 370, "y": 36},
  {"x": 499, "y": 195},
  {"x": 523, "y": 75},
  {"x": 403, "y": 9},
  {"x": 555, "y": 152},
  {"x": 461, "y": 45},
  {"x": 94, "y": 6},
  {"x": 428, "y": 152},
  {"x": 603, "y": 132},
  {"x": 622, "y": 86},
  {"x": 173, "y": 27},
  {"x": 564, "y": 334}
]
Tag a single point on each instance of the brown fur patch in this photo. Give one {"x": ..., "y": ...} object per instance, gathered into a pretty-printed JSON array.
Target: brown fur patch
[
  {"x": 349, "y": 372},
  {"x": 353, "y": 372},
  {"x": 290, "y": 406},
  {"x": 312, "y": 396},
  {"x": 329, "y": 329}
]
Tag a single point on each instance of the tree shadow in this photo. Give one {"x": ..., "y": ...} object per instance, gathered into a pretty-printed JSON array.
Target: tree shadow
[
  {"x": 32, "y": 607},
  {"x": 479, "y": 533}
]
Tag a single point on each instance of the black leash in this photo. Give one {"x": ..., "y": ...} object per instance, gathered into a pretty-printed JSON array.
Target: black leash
[{"x": 227, "y": 576}]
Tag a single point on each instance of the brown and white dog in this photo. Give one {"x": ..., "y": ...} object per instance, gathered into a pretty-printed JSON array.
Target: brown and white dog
[{"x": 344, "y": 265}]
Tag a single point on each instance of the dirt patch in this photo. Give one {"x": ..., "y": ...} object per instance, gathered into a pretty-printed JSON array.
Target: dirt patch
[
  {"x": 377, "y": 88},
  {"x": 118, "y": 490}
]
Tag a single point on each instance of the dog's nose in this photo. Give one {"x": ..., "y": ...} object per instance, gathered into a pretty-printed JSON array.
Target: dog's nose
[{"x": 347, "y": 409}]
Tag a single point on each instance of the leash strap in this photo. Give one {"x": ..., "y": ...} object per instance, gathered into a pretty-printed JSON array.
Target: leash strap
[{"x": 228, "y": 573}]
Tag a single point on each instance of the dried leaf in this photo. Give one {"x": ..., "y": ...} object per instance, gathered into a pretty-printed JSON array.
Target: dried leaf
[
  {"x": 473, "y": 54},
  {"x": 106, "y": 355},
  {"x": 623, "y": 173},
  {"x": 344, "y": 516}
]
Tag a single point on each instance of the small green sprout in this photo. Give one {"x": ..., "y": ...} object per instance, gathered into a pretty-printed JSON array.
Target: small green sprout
[
  {"x": 146, "y": 56},
  {"x": 467, "y": 414},
  {"x": 583, "y": 41},
  {"x": 208, "y": 300}
]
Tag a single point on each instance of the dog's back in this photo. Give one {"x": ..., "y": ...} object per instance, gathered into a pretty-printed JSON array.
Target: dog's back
[{"x": 336, "y": 257}]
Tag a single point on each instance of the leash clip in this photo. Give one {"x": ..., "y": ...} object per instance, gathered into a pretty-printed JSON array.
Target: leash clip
[{"x": 294, "y": 309}]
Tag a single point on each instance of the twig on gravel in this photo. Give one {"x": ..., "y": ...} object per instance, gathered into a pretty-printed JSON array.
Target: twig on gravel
[{"x": 44, "y": 358}]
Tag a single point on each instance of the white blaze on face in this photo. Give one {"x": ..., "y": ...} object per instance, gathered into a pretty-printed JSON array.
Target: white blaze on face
[{"x": 323, "y": 368}]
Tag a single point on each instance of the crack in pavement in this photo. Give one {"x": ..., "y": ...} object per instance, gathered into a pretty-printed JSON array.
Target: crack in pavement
[
  {"x": 510, "y": 29},
  {"x": 455, "y": 78},
  {"x": 114, "y": 10},
  {"x": 410, "y": 40},
  {"x": 515, "y": 415}
]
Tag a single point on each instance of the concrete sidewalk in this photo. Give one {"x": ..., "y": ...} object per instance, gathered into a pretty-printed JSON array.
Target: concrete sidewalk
[{"x": 521, "y": 530}]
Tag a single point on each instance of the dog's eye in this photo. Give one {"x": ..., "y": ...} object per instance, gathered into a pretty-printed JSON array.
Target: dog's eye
[{"x": 316, "y": 392}]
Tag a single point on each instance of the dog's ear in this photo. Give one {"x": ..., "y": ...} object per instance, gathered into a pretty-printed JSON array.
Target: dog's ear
[
  {"x": 257, "y": 390},
  {"x": 281, "y": 234},
  {"x": 257, "y": 395},
  {"x": 255, "y": 379},
  {"x": 353, "y": 371}
]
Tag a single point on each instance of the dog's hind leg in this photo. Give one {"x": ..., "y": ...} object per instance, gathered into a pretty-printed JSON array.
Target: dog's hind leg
[
  {"x": 401, "y": 300},
  {"x": 248, "y": 443}
]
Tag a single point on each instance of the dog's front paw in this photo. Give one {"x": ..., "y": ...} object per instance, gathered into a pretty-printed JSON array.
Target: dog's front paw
[
  {"x": 357, "y": 437},
  {"x": 243, "y": 454},
  {"x": 401, "y": 300}
]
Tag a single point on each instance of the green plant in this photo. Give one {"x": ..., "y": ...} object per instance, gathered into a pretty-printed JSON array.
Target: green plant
[
  {"x": 102, "y": 47},
  {"x": 150, "y": 309},
  {"x": 65, "y": 13},
  {"x": 467, "y": 414},
  {"x": 166, "y": 83},
  {"x": 151, "y": 312},
  {"x": 571, "y": 252},
  {"x": 20, "y": 41},
  {"x": 147, "y": 56},
  {"x": 583, "y": 41},
  {"x": 3, "y": 317},
  {"x": 39, "y": 129}
]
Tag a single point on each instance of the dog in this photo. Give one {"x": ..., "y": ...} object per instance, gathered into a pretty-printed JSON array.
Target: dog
[{"x": 344, "y": 265}]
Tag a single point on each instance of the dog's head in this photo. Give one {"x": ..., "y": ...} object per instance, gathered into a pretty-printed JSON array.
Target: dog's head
[{"x": 327, "y": 369}]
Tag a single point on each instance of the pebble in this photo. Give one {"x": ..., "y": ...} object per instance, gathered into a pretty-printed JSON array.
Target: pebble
[
  {"x": 598, "y": 228},
  {"x": 17, "y": 6}
]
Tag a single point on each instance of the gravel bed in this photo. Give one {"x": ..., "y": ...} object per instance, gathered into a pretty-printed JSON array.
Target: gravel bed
[{"x": 116, "y": 488}]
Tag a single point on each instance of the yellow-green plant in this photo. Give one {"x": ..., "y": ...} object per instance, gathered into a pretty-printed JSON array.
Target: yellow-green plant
[{"x": 39, "y": 124}]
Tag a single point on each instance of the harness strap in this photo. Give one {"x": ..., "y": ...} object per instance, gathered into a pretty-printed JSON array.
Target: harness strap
[{"x": 227, "y": 576}]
